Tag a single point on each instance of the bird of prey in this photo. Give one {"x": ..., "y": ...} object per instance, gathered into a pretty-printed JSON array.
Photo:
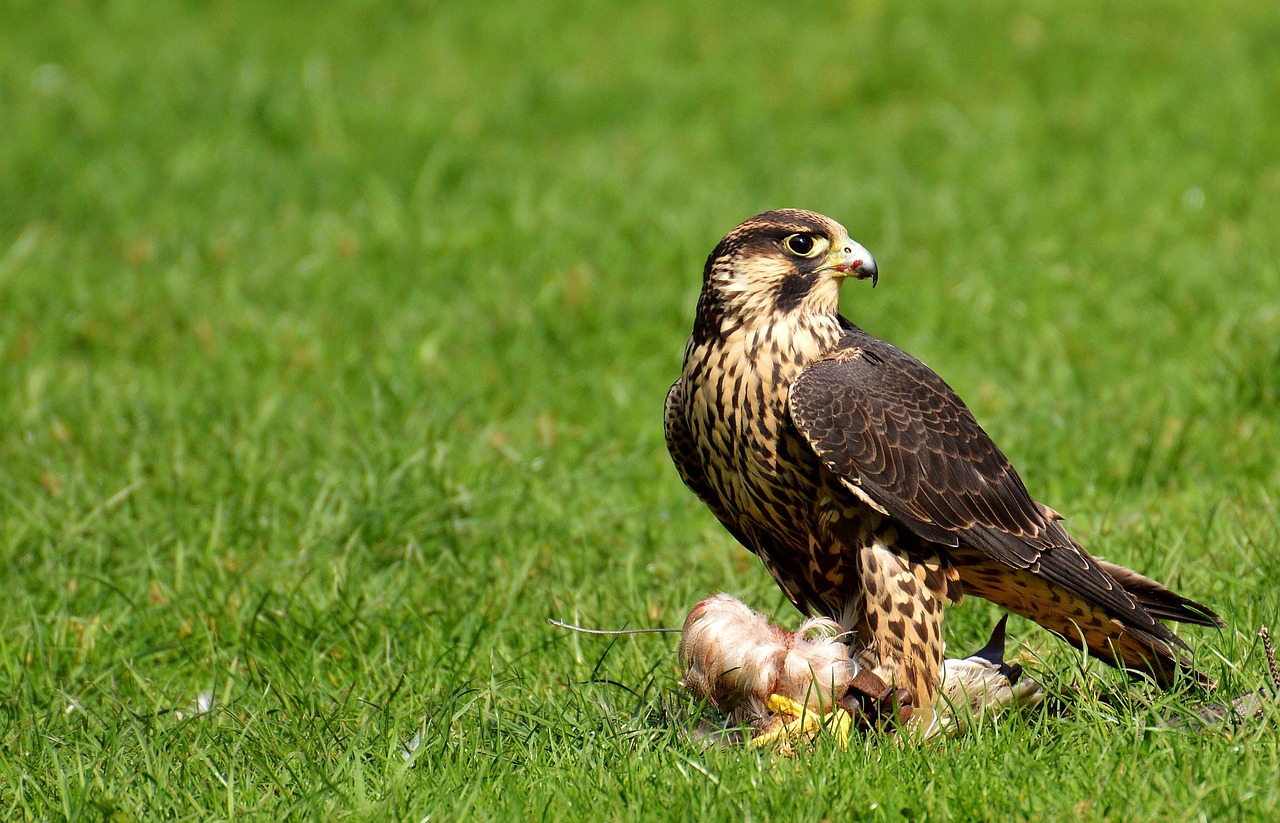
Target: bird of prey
[{"x": 864, "y": 483}]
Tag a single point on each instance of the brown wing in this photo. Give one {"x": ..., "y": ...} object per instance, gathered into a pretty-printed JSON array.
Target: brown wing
[{"x": 898, "y": 434}]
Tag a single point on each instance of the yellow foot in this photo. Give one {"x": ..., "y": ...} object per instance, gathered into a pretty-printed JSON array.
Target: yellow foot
[{"x": 804, "y": 724}]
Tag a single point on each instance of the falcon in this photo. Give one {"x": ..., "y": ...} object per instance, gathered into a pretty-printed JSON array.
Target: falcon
[{"x": 863, "y": 482}]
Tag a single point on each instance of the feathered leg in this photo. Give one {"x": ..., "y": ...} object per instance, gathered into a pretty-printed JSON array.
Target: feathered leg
[{"x": 897, "y": 620}]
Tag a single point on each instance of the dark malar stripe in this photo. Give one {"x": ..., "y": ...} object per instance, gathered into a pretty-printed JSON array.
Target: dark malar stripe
[{"x": 794, "y": 289}]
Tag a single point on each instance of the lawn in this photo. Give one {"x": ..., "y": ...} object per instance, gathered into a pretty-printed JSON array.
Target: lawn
[{"x": 333, "y": 345}]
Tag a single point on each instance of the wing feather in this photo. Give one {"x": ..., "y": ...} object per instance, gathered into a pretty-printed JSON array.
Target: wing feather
[{"x": 885, "y": 422}]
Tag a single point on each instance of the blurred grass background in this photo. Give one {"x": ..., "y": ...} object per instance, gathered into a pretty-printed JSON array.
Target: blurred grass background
[{"x": 333, "y": 344}]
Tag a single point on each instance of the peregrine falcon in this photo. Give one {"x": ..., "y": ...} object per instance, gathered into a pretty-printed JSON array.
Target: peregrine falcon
[{"x": 863, "y": 482}]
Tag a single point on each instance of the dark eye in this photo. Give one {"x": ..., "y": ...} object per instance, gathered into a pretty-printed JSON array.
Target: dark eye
[{"x": 800, "y": 244}]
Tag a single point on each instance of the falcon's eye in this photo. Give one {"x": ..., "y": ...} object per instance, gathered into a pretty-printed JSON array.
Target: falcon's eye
[{"x": 804, "y": 245}]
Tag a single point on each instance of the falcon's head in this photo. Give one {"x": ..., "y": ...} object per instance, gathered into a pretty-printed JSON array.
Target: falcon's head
[{"x": 780, "y": 262}]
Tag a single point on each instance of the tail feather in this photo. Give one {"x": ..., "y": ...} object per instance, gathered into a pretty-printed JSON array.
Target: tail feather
[
  {"x": 1160, "y": 601},
  {"x": 1153, "y": 649}
]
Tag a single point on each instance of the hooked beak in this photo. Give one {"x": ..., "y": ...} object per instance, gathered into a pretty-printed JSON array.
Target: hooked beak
[{"x": 850, "y": 259}]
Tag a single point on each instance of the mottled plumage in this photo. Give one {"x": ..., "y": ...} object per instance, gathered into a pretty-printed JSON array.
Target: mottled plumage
[{"x": 863, "y": 481}]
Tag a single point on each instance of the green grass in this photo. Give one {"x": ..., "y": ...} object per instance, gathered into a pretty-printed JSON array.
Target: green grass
[{"x": 333, "y": 344}]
